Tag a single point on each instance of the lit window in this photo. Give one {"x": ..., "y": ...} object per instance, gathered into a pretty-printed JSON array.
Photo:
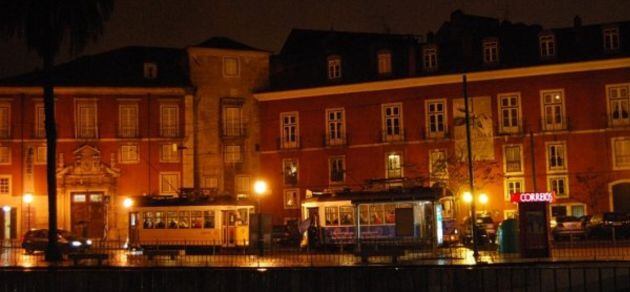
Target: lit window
[
  {"x": 384, "y": 62},
  {"x": 510, "y": 214},
  {"x": 559, "y": 184},
  {"x": 242, "y": 185},
  {"x": 291, "y": 199},
  {"x": 169, "y": 183},
  {"x": 556, "y": 157},
  {"x": 618, "y": 100},
  {"x": 86, "y": 119},
  {"x": 5, "y": 120},
  {"x": 41, "y": 156},
  {"x": 128, "y": 120},
  {"x": 429, "y": 59},
  {"x": 169, "y": 153},
  {"x": 231, "y": 67},
  {"x": 129, "y": 153},
  {"x": 553, "y": 110},
  {"x": 509, "y": 111},
  {"x": 392, "y": 122},
  {"x": 335, "y": 127},
  {"x": 513, "y": 163},
  {"x": 334, "y": 67},
  {"x": 436, "y": 118},
  {"x": 290, "y": 130},
  {"x": 547, "y": 45},
  {"x": 209, "y": 182},
  {"x": 393, "y": 163},
  {"x": 5, "y": 155},
  {"x": 290, "y": 171},
  {"x": 331, "y": 215},
  {"x": 40, "y": 118},
  {"x": 232, "y": 121},
  {"x": 169, "y": 120},
  {"x": 5, "y": 185},
  {"x": 337, "y": 169},
  {"x": 490, "y": 51},
  {"x": 232, "y": 154},
  {"x": 150, "y": 70},
  {"x": 611, "y": 38},
  {"x": 621, "y": 153},
  {"x": 513, "y": 186},
  {"x": 438, "y": 165}
]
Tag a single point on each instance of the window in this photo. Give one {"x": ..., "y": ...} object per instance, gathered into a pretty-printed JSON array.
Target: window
[
  {"x": 611, "y": 38},
  {"x": 129, "y": 153},
  {"x": 513, "y": 155},
  {"x": 336, "y": 165},
  {"x": 5, "y": 120},
  {"x": 169, "y": 183},
  {"x": 510, "y": 214},
  {"x": 572, "y": 209},
  {"x": 429, "y": 59},
  {"x": 384, "y": 62},
  {"x": 510, "y": 112},
  {"x": 209, "y": 182},
  {"x": 553, "y": 110},
  {"x": 346, "y": 215},
  {"x": 208, "y": 219},
  {"x": 618, "y": 100},
  {"x": 232, "y": 121},
  {"x": 169, "y": 120},
  {"x": 335, "y": 130},
  {"x": 558, "y": 184},
  {"x": 150, "y": 70},
  {"x": 86, "y": 120},
  {"x": 5, "y": 155},
  {"x": 621, "y": 153},
  {"x": 232, "y": 154},
  {"x": 490, "y": 51},
  {"x": 169, "y": 153},
  {"x": 392, "y": 122},
  {"x": 231, "y": 67},
  {"x": 556, "y": 157},
  {"x": 376, "y": 214},
  {"x": 436, "y": 118},
  {"x": 513, "y": 186},
  {"x": 159, "y": 220},
  {"x": 547, "y": 45},
  {"x": 334, "y": 67},
  {"x": 290, "y": 130},
  {"x": 40, "y": 118},
  {"x": 128, "y": 120},
  {"x": 290, "y": 171},
  {"x": 5, "y": 185},
  {"x": 393, "y": 163},
  {"x": 438, "y": 165},
  {"x": 196, "y": 219},
  {"x": 291, "y": 199},
  {"x": 242, "y": 185},
  {"x": 331, "y": 215},
  {"x": 41, "y": 156}
]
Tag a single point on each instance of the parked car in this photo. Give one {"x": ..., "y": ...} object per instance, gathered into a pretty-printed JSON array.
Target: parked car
[
  {"x": 482, "y": 237},
  {"x": 450, "y": 234},
  {"x": 567, "y": 227},
  {"x": 37, "y": 240},
  {"x": 488, "y": 225},
  {"x": 608, "y": 224}
]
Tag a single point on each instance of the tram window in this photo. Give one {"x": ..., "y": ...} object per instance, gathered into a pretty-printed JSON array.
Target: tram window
[
  {"x": 159, "y": 220},
  {"x": 376, "y": 214},
  {"x": 364, "y": 215},
  {"x": 148, "y": 220},
  {"x": 347, "y": 215},
  {"x": 171, "y": 218},
  {"x": 196, "y": 219},
  {"x": 242, "y": 217},
  {"x": 208, "y": 219},
  {"x": 390, "y": 213},
  {"x": 184, "y": 219},
  {"x": 332, "y": 216}
]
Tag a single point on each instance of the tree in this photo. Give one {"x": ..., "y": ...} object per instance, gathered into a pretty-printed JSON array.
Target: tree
[
  {"x": 594, "y": 187},
  {"x": 46, "y": 25}
]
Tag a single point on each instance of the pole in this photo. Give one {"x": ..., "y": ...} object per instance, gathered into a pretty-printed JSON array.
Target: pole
[
  {"x": 471, "y": 178},
  {"x": 260, "y": 230},
  {"x": 28, "y": 219},
  {"x": 531, "y": 150}
]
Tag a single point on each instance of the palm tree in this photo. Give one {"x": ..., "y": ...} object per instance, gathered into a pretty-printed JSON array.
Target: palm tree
[{"x": 46, "y": 25}]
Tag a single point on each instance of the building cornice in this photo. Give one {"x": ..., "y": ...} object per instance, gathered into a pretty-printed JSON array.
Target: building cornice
[
  {"x": 96, "y": 90},
  {"x": 447, "y": 79}
]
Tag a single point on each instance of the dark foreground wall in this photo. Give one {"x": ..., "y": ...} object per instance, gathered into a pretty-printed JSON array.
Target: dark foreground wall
[{"x": 558, "y": 277}]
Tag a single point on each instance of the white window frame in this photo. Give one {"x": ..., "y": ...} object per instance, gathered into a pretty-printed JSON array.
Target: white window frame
[
  {"x": 436, "y": 175},
  {"x": 84, "y": 131},
  {"x": 6, "y": 148},
  {"x": 338, "y": 135},
  {"x": 232, "y": 157},
  {"x": 507, "y": 195},
  {"x": 555, "y": 144},
  {"x": 334, "y": 67},
  {"x": 400, "y": 162},
  {"x": 284, "y": 167},
  {"x": 547, "y": 45},
  {"x": 128, "y": 130},
  {"x": 285, "y": 138},
  {"x": 610, "y": 35},
  {"x": 505, "y": 160},
  {"x": 10, "y": 184},
  {"x": 509, "y": 110},
  {"x": 384, "y": 60},
  {"x": 242, "y": 185},
  {"x": 167, "y": 129},
  {"x": 232, "y": 126},
  {"x": 176, "y": 188},
  {"x": 126, "y": 160},
  {"x": 331, "y": 162},
  {"x": 296, "y": 205},
  {"x": 616, "y": 164},
  {"x": 387, "y": 137},
  {"x": 40, "y": 160},
  {"x": 226, "y": 69},
  {"x": 430, "y": 58},
  {"x": 173, "y": 153},
  {"x": 621, "y": 100},
  {"x": 550, "y": 178},
  {"x": 39, "y": 130},
  {"x": 554, "y": 126},
  {"x": 5, "y": 125},
  {"x": 434, "y": 115},
  {"x": 490, "y": 51}
]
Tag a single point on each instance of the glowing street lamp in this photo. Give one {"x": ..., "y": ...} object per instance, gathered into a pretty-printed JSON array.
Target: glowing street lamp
[
  {"x": 483, "y": 198},
  {"x": 260, "y": 188},
  {"x": 28, "y": 199},
  {"x": 127, "y": 203},
  {"x": 467, "y": 197}
]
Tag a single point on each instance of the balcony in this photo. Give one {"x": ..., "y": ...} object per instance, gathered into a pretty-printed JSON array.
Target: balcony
[
  {"x": 393, "y": 135},
  {"x": 328, "y": 141},
  {"x": 234, "y": 130},
  {"x": 128, "y": 132},
  {"x": 170, "y": 131},
  {"x": 287, "y": 144}
]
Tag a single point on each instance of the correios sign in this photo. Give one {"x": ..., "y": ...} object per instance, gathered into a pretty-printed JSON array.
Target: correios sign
[{"x": 532, "y": 197}]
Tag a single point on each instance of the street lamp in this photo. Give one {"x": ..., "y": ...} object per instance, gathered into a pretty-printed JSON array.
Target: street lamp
[
  {"x": 483, "y": 198},
  {"x": 127, "y": 203},
  {"x": 467, "y": 197},
  {"x": 28, "y": 199},
  {"x": 260, "y": 188}
]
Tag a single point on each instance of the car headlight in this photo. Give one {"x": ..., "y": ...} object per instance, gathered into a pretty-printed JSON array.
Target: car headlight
[
  {"x": 76, "y": 243},
  {"x": 88, "y": 242}
]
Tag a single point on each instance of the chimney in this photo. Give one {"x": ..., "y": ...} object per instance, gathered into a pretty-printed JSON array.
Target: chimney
[{"x": 577, "y": 21}]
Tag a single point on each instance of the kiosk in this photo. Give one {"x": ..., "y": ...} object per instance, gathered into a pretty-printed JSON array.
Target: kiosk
[{"x": 533, "y": 216}]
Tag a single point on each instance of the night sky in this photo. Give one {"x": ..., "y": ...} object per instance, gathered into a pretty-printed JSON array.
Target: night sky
[{"x": 266, "y": 23}]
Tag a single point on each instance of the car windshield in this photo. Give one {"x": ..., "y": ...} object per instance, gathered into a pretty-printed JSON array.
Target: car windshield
[
  {"x": 615, "y": 217},
  {"x": 567, "y": 219},
  {"x": 484, "y": 220}
]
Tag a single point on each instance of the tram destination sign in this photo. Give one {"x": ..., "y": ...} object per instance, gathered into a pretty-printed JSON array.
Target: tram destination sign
[{"x": 533, "y": 197}]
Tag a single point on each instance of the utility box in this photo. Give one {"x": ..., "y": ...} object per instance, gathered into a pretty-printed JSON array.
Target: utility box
[{"x": 507, "y": 236}]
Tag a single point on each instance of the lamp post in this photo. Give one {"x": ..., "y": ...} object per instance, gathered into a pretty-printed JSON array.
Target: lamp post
[
  {"x": 28, "y": 199},
  {"x": 260, "y": 188}
]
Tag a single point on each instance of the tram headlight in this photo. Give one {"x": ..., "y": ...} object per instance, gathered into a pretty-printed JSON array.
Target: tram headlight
[
  {"x": 76, "y": 243},
  {"x": 88, "y": 242}
]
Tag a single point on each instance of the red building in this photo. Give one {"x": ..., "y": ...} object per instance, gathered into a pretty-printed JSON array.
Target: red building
[{"x": 549, "y": 113}]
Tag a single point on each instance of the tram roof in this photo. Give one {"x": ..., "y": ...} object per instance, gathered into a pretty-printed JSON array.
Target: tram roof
[
  {"x": 391, "y": 195},
  {"x": 163, "y": 201}
]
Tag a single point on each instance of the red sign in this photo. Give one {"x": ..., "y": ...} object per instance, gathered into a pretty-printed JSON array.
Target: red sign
[{"x": 533, "y": 197}]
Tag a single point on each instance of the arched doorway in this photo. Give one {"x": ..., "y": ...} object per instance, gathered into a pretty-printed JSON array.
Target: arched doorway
[{"x": 621, "y": 197}]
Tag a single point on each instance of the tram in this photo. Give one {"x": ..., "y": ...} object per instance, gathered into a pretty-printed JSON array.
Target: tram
[
  {"x": 402, "y": 215},
  {"x": 209, "y": 221}
]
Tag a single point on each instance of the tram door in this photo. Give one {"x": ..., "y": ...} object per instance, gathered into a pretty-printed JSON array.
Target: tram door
[
  {"x": 8, "y": 223},
  {"x": 133, "y": 228},
  {"x": 228, "y": 226},
  {"x": 87, "y": 214}
]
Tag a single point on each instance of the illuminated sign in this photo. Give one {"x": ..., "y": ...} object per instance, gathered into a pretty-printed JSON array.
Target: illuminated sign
[{"x": 533, "y": 197}]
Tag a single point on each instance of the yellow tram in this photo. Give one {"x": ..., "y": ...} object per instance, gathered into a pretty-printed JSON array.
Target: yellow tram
[{"x": 208, "y": 221}]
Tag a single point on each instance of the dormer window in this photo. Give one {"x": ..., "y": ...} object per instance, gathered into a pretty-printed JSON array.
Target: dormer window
[
  {"x": 384, "y": 62},
  {"x": 547, "y": 45},
  {"x": 334, "y": 67},
  {"x": 429, "y": 58},
  {"x": 611, "y": 38},
  {"x": 150, "y": 70},
  {"x": 491, "y": 51}
]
